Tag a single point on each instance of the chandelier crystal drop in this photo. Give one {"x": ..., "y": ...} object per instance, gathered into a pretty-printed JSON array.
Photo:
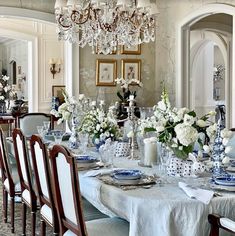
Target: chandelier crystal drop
[{"x": 106, "y": 24}]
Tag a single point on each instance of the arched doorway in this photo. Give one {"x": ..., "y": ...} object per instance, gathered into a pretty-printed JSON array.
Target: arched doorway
[
  {"x": 18, "y": 13},
  {"x": 183, "y": 58}
]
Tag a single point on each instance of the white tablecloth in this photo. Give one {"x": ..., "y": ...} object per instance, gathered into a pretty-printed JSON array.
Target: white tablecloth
[{"x": 160, "y": 211}]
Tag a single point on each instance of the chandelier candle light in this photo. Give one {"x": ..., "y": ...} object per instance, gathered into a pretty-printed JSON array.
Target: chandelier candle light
[{"x": 106, "y": 24}]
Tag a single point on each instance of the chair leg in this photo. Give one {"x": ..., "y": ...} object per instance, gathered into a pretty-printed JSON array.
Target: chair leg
[
  {"x": 24, "y": 218},
  {"x": 43, "y": 228},
  {"x": 5, "y": 205},
  {"x": 33, "y": 222},
  {"x": 12, "y": 214}
]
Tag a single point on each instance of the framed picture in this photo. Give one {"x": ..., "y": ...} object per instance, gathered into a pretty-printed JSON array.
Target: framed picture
[
  {"x": 106, "y": 72},
  {"x": 131, "y": 69},
  {"x": 57, "y": 91},
  {"x": 135, "y": 50}
]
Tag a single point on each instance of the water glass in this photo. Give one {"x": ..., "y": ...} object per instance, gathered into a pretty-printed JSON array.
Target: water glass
[
  {"x": 58, "y": 135},
  {"x": 41, "y": 130},
  {"x": 46, "y": 125},
  {"x": 83, "y": 138}
]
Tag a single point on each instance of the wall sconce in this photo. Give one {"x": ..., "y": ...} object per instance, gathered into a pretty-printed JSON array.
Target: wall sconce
[{"x": 55, "y": 66}]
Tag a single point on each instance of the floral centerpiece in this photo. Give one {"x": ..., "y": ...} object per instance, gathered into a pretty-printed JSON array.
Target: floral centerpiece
[
  {"x": 179, "y": 129},
  {"x": 125, "y": 85},
  {"x": 100, "y": 126},
  {"x": 66, "y": 109}
]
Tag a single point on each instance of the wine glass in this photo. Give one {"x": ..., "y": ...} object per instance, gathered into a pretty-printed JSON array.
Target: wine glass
[
  {"x": 83, "y": 138},
  {"x": 41, "y": 131},
  {"x": 46, "y": 125},
  {"x": 58, "y": 136}
]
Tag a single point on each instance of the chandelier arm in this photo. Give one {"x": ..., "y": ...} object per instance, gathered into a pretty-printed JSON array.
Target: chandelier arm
[
  {"x": 60, "y": 20},
  {"x": 86, "y": 16}
]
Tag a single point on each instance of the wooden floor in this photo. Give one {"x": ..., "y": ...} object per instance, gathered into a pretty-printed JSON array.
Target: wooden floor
[{"x": 5, "y": 229}]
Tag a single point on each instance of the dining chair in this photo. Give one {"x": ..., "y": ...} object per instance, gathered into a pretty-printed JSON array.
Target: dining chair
[
  {"x": 28, "y": 195},
  {"x": 68, "y": 201},
  {"x": 43, "y": 185},
  {"x": 217, "y": 222},
  {"x": 28, "y": 122},
  {"x": 10, "y": 181}
]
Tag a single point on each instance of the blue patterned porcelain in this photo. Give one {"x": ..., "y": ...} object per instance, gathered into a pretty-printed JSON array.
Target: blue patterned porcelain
[
  {"x": 127, "y": 174},
  {"x": 85, "y": 159},
  {"x": 227, "y": 181}
]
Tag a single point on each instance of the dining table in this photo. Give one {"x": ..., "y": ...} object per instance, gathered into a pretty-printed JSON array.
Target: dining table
[{"x": 161, "y": 209}]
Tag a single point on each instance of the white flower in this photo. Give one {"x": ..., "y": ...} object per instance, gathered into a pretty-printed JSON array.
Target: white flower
[
  {"x": 225, "y": 133},
  {"x": 201, "y": 123},
  {"x": 226, "y": 160},
  {"x": 186, "y": 134},
  {"x": 98, "y": 127},
  {"x": 188, "y": 120},
  {"x": 81, "y": 96},
  {"x": 228, "y": 149},
  {"x": 212, "y": 113},
  {"x": 2, "y": 97},
  {"x": 206, "y": 148},
  {"x": 97, "y": 141},
  {"x": 159, "y": 128},
  {"x": 225, "y": 141},
  {"x": 161, "y": 105}
]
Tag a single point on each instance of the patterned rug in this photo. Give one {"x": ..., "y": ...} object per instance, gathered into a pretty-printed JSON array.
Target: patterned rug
[{"x": 5, "y": 228}]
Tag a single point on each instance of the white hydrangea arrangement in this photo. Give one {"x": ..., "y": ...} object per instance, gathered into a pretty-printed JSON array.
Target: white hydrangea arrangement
[
  {"x": 100, "y": 126},
  {"x": 66, "y": 109},
  {"x": 178, "y": 129}
]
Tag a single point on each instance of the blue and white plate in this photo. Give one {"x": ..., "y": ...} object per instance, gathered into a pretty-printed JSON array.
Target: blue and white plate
[
  {"x": 226, "y": 181},
  {"x": 127, "y": 174},
  {"x": 85, "y": 159}
]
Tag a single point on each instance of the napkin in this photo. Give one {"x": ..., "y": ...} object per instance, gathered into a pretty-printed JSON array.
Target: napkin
[
  {"x": 202, "y": 195},
  {"x": 94, "y": 173}
]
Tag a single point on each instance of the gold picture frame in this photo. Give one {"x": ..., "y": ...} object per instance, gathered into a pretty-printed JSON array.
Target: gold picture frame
[
  {"x": 134, "y": 50},
  {"x": 131, "y": 69},
  {"x": 106, "y": 72},
  {"x": 57, "y": 91}
]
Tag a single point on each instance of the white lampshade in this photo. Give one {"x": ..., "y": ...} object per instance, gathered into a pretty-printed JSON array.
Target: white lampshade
[
  {"x": 60, "y": 3},
  {"x": 153, "y": 9},
  {"x": 143, "y": 3}
]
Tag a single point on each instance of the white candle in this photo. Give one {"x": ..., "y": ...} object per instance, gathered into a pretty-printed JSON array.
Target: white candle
[{"x": 150, "y": 151}]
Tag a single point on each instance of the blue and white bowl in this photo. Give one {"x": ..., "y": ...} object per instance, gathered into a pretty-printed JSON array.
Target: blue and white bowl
[
  {"x": 226, "y": 181},
  {"x": 127, "y": 174},
  {"x": 85, "y": 159}
]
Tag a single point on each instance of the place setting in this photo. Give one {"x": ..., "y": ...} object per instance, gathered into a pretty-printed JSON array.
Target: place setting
[
  {"x": 128, "y": 179},
  {"x": 87, "y": 162}
]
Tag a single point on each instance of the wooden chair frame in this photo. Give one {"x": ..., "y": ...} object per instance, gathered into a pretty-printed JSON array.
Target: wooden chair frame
[
  {"x": 24, "y": 185},
  {"x": 6, "y": 174},
  {"x": 66, "y": 224},
  {"x": 41, "y": 197},
  {"x": 214, "y": 220}
]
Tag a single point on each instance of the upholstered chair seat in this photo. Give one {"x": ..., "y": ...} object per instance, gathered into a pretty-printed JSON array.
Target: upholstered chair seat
[{"x": 104, "y": 227}]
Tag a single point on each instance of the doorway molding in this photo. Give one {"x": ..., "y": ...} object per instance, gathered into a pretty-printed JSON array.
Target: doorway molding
[
  {"x": 27, "y": 14},
  {"x": 183, "y": 56}
]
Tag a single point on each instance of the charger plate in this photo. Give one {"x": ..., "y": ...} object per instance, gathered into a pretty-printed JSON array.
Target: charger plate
[{"x": 144, "y": 180}]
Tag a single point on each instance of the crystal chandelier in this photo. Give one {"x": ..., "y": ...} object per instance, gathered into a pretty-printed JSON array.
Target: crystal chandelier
[{"x": 106, "y": 24}]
